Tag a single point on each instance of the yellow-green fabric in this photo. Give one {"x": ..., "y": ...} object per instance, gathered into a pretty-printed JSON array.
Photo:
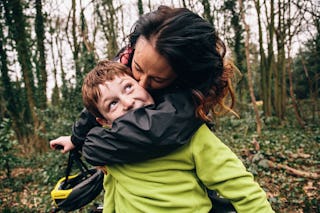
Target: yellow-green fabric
[{"x": 177, "y": 182}]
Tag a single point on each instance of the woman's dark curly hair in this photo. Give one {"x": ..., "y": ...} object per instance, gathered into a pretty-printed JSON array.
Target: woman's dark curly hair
[{"x": 195, "y": 52}]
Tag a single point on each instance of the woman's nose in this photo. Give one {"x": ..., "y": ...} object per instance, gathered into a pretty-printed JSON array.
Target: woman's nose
[{"x": 144, "y": 82}]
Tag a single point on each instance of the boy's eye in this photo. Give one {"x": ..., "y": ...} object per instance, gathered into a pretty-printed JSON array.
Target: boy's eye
[
  {"x": 128, "y": 87},
  {"x": 112, "y": 105}
]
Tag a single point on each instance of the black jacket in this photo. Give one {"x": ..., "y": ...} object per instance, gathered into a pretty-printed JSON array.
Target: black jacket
[{"x": 141, "y": 134}]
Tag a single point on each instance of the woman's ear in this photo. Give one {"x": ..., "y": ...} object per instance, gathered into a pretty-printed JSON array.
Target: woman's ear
[{"x": 103, "y": 122}]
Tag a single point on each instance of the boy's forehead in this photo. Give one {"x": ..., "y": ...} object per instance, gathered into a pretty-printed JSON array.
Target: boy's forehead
[
  {"x": 120, "y": 76},
  {"x": 118, "y": 79}
]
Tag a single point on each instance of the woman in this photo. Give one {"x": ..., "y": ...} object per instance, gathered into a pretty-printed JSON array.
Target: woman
[{"x": 167, "y": 56}]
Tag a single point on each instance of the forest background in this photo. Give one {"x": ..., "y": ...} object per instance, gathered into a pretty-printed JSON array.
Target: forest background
[{"x": 47, "y": 47}]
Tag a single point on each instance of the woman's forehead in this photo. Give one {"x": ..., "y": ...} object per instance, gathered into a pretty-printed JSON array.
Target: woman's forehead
[{"x": 148, "y": 59}]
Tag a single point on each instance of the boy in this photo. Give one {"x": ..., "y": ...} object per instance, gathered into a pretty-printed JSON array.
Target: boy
[
  {"x": 109, "y": 91},
  {"x": 176, "y": 182}
]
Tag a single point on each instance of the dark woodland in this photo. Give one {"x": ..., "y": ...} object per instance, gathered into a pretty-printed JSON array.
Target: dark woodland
[{"x": 48, "y": 46}]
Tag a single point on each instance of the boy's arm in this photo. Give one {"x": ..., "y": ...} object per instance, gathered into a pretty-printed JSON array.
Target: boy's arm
[
  {"x": 144, "y": 133},
  {"x": 221, "y": 170}
]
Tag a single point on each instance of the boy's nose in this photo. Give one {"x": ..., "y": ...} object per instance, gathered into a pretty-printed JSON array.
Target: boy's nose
[{"x": 128, "y": 103}]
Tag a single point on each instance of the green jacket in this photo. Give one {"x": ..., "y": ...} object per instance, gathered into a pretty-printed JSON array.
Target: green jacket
[{"x": 177, "y": 181}]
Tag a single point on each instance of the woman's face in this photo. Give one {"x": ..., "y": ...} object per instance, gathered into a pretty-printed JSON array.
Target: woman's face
[{"x": 149, "y": 68}]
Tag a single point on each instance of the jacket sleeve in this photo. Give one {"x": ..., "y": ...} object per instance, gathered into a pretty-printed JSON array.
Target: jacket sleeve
[
  {"x": 145, "y": 133},
  {"x": 81, "y": 127},
  {"x": 226, "y": 174}
]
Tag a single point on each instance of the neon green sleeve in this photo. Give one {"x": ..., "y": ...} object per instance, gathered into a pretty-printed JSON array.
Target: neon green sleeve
[
  {"x": 221, "y": 170},
  {"x": 109, "y": 191}
]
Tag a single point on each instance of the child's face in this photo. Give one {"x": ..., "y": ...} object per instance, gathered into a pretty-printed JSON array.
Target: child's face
[{"x": 121, "y": 94}]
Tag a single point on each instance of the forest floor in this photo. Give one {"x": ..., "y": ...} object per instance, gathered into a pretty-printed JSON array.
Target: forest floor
[{"x": 285, "y": 161}]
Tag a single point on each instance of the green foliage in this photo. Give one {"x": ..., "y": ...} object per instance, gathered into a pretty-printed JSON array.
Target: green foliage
[
  {"x": 284, "y": 143},
  {"x": 58, "y": 120},
  {"x": 55, "y": 98},
  {"x": 8, "y": 158},
  {"x": 31, "y": 192},
  {"x": 306, "y": 71}
]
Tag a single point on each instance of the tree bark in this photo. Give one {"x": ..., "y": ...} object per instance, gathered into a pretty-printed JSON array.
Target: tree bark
[
  {"x": 293, "y": 171},
  {"x": 207, "y": 11},
  {"x": 108, "y": 26},
  {"x": 291, "y": 91},
  {"x": 247, "y": 52},
  {"x": 41, "y": 62},
  {"x": 280, "y": 71},
  {"x": 237, "y": 45},
  {"x": 75, "y": 44},
  {"x": 266, "y": 63},
  {"x": 10, "y": 102},
  {"x": 140, "y": 7},
  {"x": 17, "y": 26},
  {"x": 55, "y": 97}
]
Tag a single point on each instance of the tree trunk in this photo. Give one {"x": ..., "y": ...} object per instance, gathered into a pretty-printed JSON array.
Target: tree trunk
[
  {"x": 140, "y": 7},
  {"x": 280, "y": 72},
  {"x": 75, "y": 44},
  {"x": 108, "y": 26},
  {"x": 316, "y": 21},
  {"x": 55, "y": 97},
  {"x": 207, "y": 11},
  {"x": 184, "y": 4},
  {"x": 253, "y": 98},
  {"x": 237, "y": 46},
  {"x": 312, "y": 91},
  {"x": 293, "y": 98},
  {"x": 64, "y": 88},
  {"x": 10, "y": 103},
  {"x": 17, "y": 26},
  {"x": 265, "y": 65},
  {"x": 41, "y": 62},
  {"x": 270, "y": 66},
  {"x": 289, "y": 62}
]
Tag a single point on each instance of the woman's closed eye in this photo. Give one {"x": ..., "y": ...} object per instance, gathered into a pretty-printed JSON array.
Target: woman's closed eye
[
  {"x": 137, "y": 67},
  {"x": 159, "y": 80}
]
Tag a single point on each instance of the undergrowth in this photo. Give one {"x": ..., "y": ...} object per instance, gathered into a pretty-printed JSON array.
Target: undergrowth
[{"x": 28, "y": 187}]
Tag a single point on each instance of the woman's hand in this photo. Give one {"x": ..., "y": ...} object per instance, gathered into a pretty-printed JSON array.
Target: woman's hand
[{"x": 64, "y": 142}]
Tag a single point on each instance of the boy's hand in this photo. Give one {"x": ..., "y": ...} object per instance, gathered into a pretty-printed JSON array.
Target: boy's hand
[
  {"x": 63, "y": 142},
  {"x": 103, "y": 169}
]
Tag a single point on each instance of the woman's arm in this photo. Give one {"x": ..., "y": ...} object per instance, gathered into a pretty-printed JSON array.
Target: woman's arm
[
  {"x": 144, "y": 133},
  {"x": 81, "y": 127},
  {"x": 80, "y": 130}
]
